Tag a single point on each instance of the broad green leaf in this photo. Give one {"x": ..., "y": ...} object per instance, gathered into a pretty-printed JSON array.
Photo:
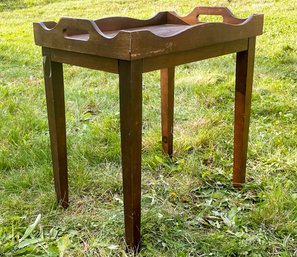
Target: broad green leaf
[
  {"x": 31, "y": 228},
  {"x": 28, "y": 242},
  {"x": 25, "y": 251}
]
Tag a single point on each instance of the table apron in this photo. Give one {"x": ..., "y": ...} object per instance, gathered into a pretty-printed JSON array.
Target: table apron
[
  {"x": 202, "y": 53},
  {"x": 85, "y": 60},
  {"x": 150, "y": 63}
]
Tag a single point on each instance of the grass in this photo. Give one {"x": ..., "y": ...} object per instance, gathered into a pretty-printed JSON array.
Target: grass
[{"x": 189, "y": 207}]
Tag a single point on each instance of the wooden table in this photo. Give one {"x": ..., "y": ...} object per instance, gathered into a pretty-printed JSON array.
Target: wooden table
[{"x": 131, "y": 47}]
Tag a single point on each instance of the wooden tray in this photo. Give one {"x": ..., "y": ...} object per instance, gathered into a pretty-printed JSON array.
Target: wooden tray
[{"x": 128, "y": 39}]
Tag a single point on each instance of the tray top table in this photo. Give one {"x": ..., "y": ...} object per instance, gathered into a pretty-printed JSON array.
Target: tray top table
[{"x": 131, "y": 47}]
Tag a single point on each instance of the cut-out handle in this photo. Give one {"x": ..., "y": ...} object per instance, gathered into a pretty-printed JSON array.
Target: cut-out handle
[
  {"x": 78, "y": 29},
  {"x": 224, "y": 12}
]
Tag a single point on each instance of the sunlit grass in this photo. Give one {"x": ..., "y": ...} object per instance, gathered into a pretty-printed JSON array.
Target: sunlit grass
[{"x": 189, "y": 207}]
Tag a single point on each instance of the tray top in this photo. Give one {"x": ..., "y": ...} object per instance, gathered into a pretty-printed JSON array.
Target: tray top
[
  {"x": 162, "y": 30},
  {"x": 127, "y": 38}
]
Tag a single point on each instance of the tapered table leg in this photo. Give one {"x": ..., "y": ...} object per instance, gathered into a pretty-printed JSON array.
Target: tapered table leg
[
  {"x": 54, "y": 89},
  {"x": 243, "y": 92},
  {"x": 167, "y": 109},
  {"x": 130, "y": 78}
]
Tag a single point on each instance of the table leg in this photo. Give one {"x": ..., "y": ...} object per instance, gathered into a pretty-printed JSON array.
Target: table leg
[
  {"x": 167, "y": 108},
  {"x": 243, "y": 92},
  {"x": 130, "y": 78},
  {"x": 54, "y": 89}
]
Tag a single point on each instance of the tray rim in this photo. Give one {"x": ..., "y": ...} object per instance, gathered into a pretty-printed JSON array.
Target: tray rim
[{"x": 50, "y": 34}]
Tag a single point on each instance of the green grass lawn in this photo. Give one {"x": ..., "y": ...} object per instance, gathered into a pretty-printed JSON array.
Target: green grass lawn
[{"x": 189, "y": 207}]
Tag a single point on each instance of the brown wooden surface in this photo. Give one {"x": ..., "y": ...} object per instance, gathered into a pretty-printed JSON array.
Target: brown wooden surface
[
  {"x": 85, "y": 60},
  {"x": 196, "y": 36},
  {"x": 167, "y": 109},
  {"x": 130, "y": 78},
  {"x": 161, "y": 42},
  {"x": 243, "y": 92},
  {"x": 123, "y": 23},
  {"x": 163, "y": 30},
  {"x": 54, "y": 88},
  {"x": 97, "y": 43},
  {"x": 174, "y": 59},
  {"x": 152, "y": 63},
  {"x": 228, "y": 17},
  {"x": 127, "y": 39}
]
